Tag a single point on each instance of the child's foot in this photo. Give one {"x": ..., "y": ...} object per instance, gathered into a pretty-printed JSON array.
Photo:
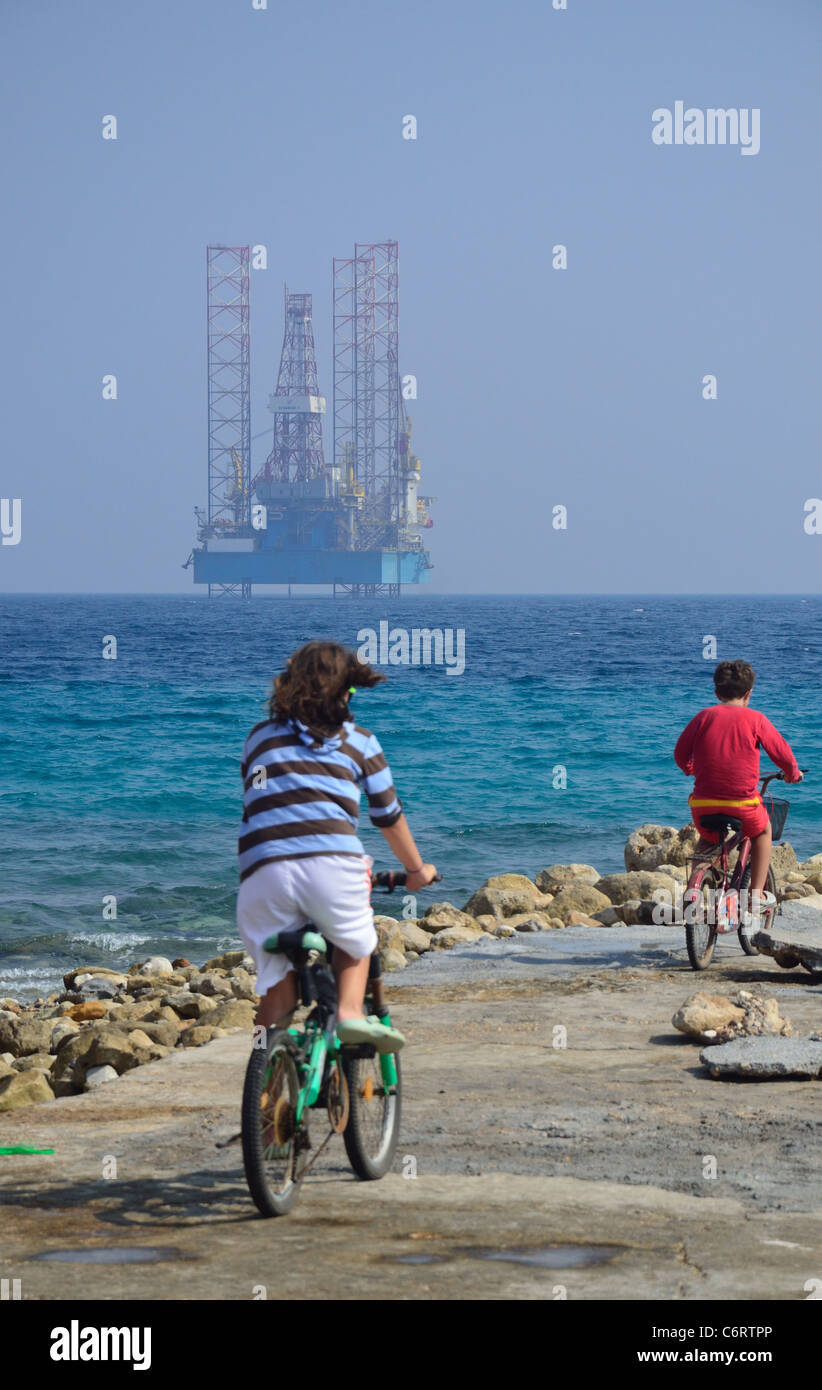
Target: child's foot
[
  {"x": 370, "y": 1030},
  {"x": 767, "y": 902}
]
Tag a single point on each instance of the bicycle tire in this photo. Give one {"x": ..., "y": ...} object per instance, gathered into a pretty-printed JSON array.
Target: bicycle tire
[
  {"x": 373, "y": 1130},
  {"x": 271, "y": 1174},
  {"x": 770, "y": 884},
  {"x": 700, "y": 935}
]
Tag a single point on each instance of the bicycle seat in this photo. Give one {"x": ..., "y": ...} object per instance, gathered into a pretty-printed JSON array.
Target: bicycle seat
[
  {"x": 721, "y": 823},
  {"x": 290, "y": 943}
]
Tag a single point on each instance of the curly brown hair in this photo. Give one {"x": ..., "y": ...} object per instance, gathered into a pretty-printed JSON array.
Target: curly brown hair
[
  {"x": 733, "y": 679},
  {"x": 314, "y": 687}
]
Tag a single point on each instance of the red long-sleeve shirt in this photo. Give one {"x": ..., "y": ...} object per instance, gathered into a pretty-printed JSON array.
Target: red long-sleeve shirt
[{"x": 721, "y": 747}]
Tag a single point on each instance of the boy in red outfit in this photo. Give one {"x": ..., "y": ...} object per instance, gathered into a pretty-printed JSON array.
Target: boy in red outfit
[{"x": 720, "y": 749}]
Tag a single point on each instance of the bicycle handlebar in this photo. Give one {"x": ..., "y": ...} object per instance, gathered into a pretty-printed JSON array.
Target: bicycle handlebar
[
  {"x": 389, "y": 880},
  {"x": 778, "y": 777}
]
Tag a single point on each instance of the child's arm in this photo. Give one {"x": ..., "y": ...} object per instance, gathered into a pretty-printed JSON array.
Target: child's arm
[
  {"x": 402, "y": 843},
  {"x": 778, "y": 750},
  {"x": 684, "y": 750}
]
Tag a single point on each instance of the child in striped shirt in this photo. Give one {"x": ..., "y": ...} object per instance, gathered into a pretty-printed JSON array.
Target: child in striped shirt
[{"x": 300, "y": 856}]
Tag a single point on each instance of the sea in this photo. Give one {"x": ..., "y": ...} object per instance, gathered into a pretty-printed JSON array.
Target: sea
[{"x": 121, "y": 793}]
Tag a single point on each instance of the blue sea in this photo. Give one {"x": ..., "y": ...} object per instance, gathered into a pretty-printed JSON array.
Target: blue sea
[{"x": 121, "y": 777}]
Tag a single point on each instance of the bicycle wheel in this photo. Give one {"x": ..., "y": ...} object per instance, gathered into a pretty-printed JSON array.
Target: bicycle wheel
[
  {"x": 373, "y": 1128},
  {"x": 700, "y": 931},
  {"x": 270, "y": 1140},
  {"x": 766, "y": 919}
]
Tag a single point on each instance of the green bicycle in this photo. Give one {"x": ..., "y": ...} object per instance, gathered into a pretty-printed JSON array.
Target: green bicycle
[{"x": 303, "y": 1068}]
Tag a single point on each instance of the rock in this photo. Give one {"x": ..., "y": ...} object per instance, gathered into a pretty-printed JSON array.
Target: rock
[
  {"x": 23, "y": 1088},
  {"x": 163, "y": 1031},
  {"x": 155, "y": 965},
  {"x": 102, "y": 1044},
  {"x": 501, "y": 903},
  {"x": 93, "y": 987},
  {"x": 652, "y": 845},
  {"x": 783, "y": 859},
  {"x": 804, "y": 942},
  {"x": 765, "y": 1058},
  {"x": 504, "y": 930},
  {"x": 706, "y": 1013},
  {"x": 455, "y": 936},
  {"x": 441, "y": 915},
  {"x": 607, "y": 917},
  {"x": 10, "y": 1006},
  {"x": 98, "y": 1076},
  {"x": 413, "y": 937},
  {"x": 66, "y": 1028},
  {"x": 211, "y": 984},
  {"x": 188, "y": 1005},
  {"x": 86, "y": 971},
  {"x": 242, "y": 984},
  {"x": 576, "y": 898},
  {"x": 21, "y": 1034},
  {"x": 674, "y": 871},
  {"x": 148, "y": 986},
  {"x": 715, "y": 1018},
  {"x": 392, "y": 960},
  {"x": 228, "y": 960},
  {"x": 516, "y": 883},
  {"x": 201, "y": 1033},
  {"x": 180, "y": 963},
  {"x": 411, "y": 956},
  {"x": 630, "y": 913},
  {"x": 92, "y": 1008},
  {"x": 622, "y": 888},
  {"x": 389, "y": 936},
  {"x": 528, "y": 921},
  {"x": 579, "y": 919},
  {"x": 233, "y": 1013},
  {"x": 6, "y": 1068},
  {"x": 792, "y": 892},
  {"x": 36, "y": 1061},
  {"x": 487, "y": 922},
  {"x": 556, "y": 876}
]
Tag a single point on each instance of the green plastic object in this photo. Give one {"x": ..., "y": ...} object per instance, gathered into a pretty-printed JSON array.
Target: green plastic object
[
  {"x": 312, "y": 941},
  {"x": 23, "y": 1149}
]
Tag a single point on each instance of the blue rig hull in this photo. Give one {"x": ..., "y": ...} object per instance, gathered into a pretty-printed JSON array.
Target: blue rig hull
[{"x": 303, "y": 566}]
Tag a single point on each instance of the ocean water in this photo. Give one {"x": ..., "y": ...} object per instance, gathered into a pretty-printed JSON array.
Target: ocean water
[{"x": 121, "y": 777}]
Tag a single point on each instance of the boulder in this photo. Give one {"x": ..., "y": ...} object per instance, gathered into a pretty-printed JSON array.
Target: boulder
[
  {"x": 766, "y": 1059},
  {"x": 201, "y": 1033},
  {"x": 503, "y": 902},
  {"x": 792, "y": 892},
  {"x": 10, "y": 1006},
  {"x": 631, "y": 912},
  {"x": 622, "y": 888},
  {"x": 503, "y": 930},
  {"x": 22, "y": 1088},
  {"x": 652, "y": 845},
  {"x": 187, "y": 1004},
  {"x": 516, "y": 883},
  {"x": 6, "y": 1068},
  {"x": 783, "y": 859},
  {"x": 392, "y": 960},
  {"x": 228, "y": 960},
  {"x": 22, "y": 1034},
  {"x": 92, "y": 1008},
  {"x": 100, "y": 1045},
  {"x": 93, "y": 987},
  {"x": 455, "y": 936},
  {"x": 556, "y": 876},
  {"x": 211, "y": 984},
  {"x": 389, "y": 936},
  {"x": 155, "y": 965},
  {"x": 578, "y": 897},
  {"x": 65, "y": 1028},
  {"x": 579, "y": 919},
  {"x": 98, "y": 1076},
  {"x": 233, "y": 1013},
  {"x": 180, "y": 963},
  {"x": 441, "y": 915},
  {"x": 242, "y": 983},
  {"x": 36, "y": 1061},
  {"x": 608, "y": 917},
  {"x": 528, "y": 921},
  {"x": 675, "y": 871},
  {"x": 84, "y": 971},
  {"x": 413, "y": 937},
  {"x": 487, "y": 922},
  {"x": 715, "y": 1018}
]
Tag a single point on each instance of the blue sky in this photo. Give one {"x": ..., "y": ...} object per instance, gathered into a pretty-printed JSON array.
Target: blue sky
[{"x": 536, "y": 387}]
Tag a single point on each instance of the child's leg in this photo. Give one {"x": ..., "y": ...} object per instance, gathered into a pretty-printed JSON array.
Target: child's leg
[
  {"x": 278, "y": 1003},
  {"x": 352, "y": 978},
  {"x": 760, "y": 859}
]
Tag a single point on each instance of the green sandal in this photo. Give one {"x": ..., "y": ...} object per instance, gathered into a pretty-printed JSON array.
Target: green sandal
[{"x": 371, "y": 1031}]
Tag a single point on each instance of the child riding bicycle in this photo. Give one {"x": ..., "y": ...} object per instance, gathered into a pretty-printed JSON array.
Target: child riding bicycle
[
  {"x": 720, "y": 749},
  {"x": 300, "y": 857}
]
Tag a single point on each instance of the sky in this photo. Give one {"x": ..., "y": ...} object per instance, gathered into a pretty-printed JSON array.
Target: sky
[{"x": 537, "y": 387}]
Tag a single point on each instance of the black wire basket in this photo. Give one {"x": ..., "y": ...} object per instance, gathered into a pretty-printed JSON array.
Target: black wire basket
[{"x": 777, "y": 809}]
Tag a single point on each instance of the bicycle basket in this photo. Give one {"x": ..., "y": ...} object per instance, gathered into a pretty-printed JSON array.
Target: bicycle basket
[{"x": 777, "y": 809}]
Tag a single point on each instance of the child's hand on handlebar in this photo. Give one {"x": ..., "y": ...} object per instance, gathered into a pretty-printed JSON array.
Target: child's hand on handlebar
[{"x": 421, "y": 877}]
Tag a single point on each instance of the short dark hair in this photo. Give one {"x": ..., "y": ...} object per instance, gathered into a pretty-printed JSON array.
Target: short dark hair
[
  {"x": 733, "y": 679},
  {"x": 314, "y": 687}
]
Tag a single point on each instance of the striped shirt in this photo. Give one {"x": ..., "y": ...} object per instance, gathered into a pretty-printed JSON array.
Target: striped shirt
[{"x": 300, "y": 801}]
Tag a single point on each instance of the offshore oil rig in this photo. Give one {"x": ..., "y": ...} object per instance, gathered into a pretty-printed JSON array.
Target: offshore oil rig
[{"x": 355, "y": 525}]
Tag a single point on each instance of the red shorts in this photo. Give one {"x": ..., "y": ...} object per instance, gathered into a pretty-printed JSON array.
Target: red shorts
[{"x": 750, "y": 811}]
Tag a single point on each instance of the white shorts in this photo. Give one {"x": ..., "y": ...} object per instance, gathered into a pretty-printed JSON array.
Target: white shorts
[{"x": 331, "y": 890}]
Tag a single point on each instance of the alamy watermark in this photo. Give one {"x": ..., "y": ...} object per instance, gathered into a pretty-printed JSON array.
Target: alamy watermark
[
  {"x": 713, "y": 126},
  {"x": 419, "y": 646}
]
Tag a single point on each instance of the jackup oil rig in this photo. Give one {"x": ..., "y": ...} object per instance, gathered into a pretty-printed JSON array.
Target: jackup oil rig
[{"x": 355, "y": 525}]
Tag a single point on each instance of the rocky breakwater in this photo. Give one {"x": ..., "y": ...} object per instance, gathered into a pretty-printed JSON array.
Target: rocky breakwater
[{"x": 104, "y": 1023}]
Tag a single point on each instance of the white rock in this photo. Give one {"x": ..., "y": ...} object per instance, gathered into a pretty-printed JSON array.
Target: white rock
[
  {"x": 156, "y": 965},
  {"x": 98, "y": 1076}
]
